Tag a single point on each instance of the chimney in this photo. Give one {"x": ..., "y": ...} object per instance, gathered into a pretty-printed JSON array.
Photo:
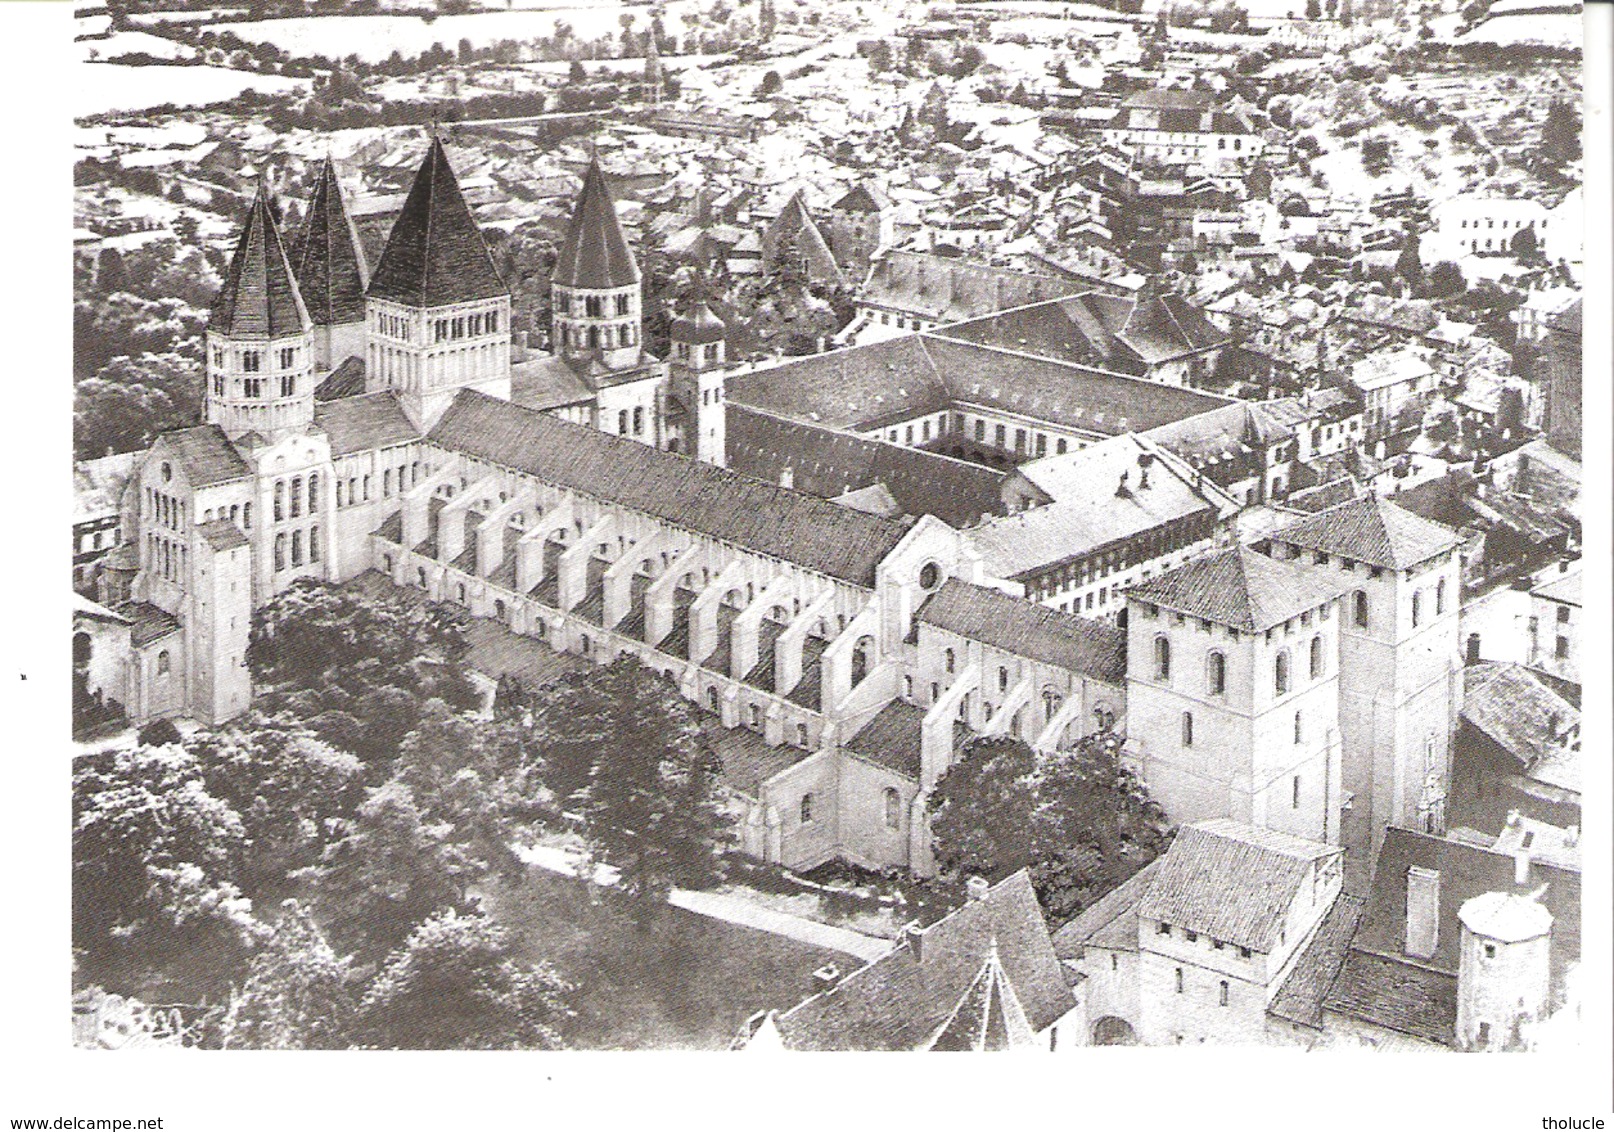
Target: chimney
[
  {"x": 912, "y": 938},
  {"x": 520, "y": 350},
  {"x": 1122, "y": 488},
  {"x": 1521, "y": 866},
  {"x": 825, "y": 978},
  {"x": 1423, "y": 911},
  {"x": 977, "y": 887}
]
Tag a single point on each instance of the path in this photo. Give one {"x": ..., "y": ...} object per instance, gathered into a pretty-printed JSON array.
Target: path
[{"x": 718, "y": 906}]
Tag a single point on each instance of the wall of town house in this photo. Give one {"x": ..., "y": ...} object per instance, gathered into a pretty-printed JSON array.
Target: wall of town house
[{"x": 1111, "y": 987}]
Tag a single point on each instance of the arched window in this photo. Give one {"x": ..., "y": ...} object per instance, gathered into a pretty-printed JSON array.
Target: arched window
[
  {"x": 313, "y": 544},
  {"x": 339, "y": 496},
  {"x": 1280, "y": 674},
  {"x": 1359, "y": 607},
  {"x": 280, "y": 551},
  {"x": 163, "y": 663},
  {"x": 296, "y": 496},
  {"x": 296, "y": 548},
  {"x": 1316, "y": 657},
  {"x": 711, "y": 699},
  {"x": 806, "y": 808},
  {"x": 1216, "y": 673},
  {"x": 801, "y": 735},
  {"x": 459, "y": 592},
  {"x": 280, "y": 500},
  {"x": 1299, "y": 730},
  {"x": 313, "y": 491},
  {"x": 499, "y": 610},
  {"x": 420, "y": 576},
  {"x": 1188, "y": 729},
  {"x": 1104, "y": 717},
  {"x": 1003, "y": 679},
  {"x": 950, "y": 660},
  {"x": 893, "y": 808},
  {"x": 1162, "y": 658},
  {"x": 1417, "y": 607},
  {"x": 1221, "y": 994},
  {"x": 81, "y": 649},
  {"x": 862, "y": 654},
  {"x": 1440, "y": 597}
]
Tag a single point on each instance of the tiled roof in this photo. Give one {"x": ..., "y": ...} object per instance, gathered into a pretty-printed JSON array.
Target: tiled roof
[
  {"x": 757, "y": 516},
  {"x": 148, "y": 624},
  {"x": 364, "y": 423},
  {"x": 1075, "y": 644},
  {"x": 747, "y": 760},
  {"x": 331, "y": 270},
  {"x": 1372, "y": 530},
  {"x": 435, "y": 255},
  {"x": 1166, "y": 327},
  {"x": 892, "y": 738},
  {"x": 1564, "y": 589},
  {"x": 1517, "y": 711},
  {"x": 862, "y": 197},
  {"x": 346, "y": 380},
  {"x": 221, "y": 535},
  {"x": 595, "y": 253},
  {"x": 204, "y": 453},
  {"x": 1300, "y": 998},
  {"x": 951, "y": 290},
  {"x": 700, "y": 325},
  {"x": 1241, "y": 589},
  {"x": 827, "y": 462},
  {"x": 988, "y": 1017},
  {"x": 1111, "y": 921},
  {"x": 1231, "y": 881},
  {"x": 851, "y": 389},
  {"x": 548, "y": 382},
  {"x": 899, "y": 1001},
  {"x": 795, "y": 231},
  {"x": 259, "y": 298},
  {"x": 1398, "y": 996}
]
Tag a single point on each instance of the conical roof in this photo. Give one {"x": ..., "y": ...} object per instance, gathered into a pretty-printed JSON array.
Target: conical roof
[
  {"x": 595, "y": 255},
  {"x": 988, "y": 1016},
  {"x": 259, "y": 298},
  {"x": 435, "y": 255},
  {"x": 331, "y": 271}
]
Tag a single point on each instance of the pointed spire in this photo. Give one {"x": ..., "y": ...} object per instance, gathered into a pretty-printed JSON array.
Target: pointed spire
[
  {"x": 595, "y": 254},
  {"x": 259, "y": 298},
  {"x": 331, "y": 271},
  {"x": 435, "y": 255}
]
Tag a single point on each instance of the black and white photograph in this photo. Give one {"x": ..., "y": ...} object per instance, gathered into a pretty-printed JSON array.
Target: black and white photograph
[{"x": 769, "y": 526}]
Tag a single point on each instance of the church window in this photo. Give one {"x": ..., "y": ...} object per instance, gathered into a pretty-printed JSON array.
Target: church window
[
  {"x": 801, "y": 735},
  {"x": 1003, "y": 679},
  {"x": 1299, "y": 730},
  {"x": 980, "y": 431},
  {"x": 1062, "y": 446},
  {"x": 1560, "y": 650},
  {"x": 296, "y": 496},
  {"x": 1294, "y": 790},
  {"x": 218, "y": 385},
  {"x": 893, "y": 808},
  {"x": 252, "y": 387},
  {"x": 1216, "y": 673},
  {"x": 296, "y": 548},
  {"x": 313, "y": 544},
  {"x": 594, "y": 305},
  {"x": 593, "y": 338},
  {"x": 164, "y": 662},
  {"x": 1000, "y": 433},
  {"x": 287, "y": 354},
  {"x": 756, "y": 717},
  {"x": 806, "y": 808},
  {"x": 339, "y": 494},
  {"x": 1316, "y": 657},
  {"x": 493, "y": 322},
  {"x": 1417, "y": 607},
  {"x": 313, "y": 491},
  {"x": 280, "y": 551},
  {"x": 1440, "y": 598},
  {"x": 459, "y": 595},
  {"x": 622, "y": 423},
  {"x": 251, "y": 361},
  {"x": 367, "y": 489},
  {"x": 949, "y": 661},
  {"x": 280, "y": 500},
  {"x": 1188, "y": 729},
  {"x": 1042, "y": 444},
  {"x": 386, "y": 482},
  {"x": 1162, "y": 658},
  {"x": 638, "y": 420},
  {"x": 288, "y": 384},
  {"x": 1179, "y": 980},
  {"x": 1359, "y": 608},
  {"x": 420, "y": 577},
  {"x": 621, "y": 304},
  {"x": 1280, "y": 674},
  {"x": 246, "y": 516},
  {"x": 1221, "y": 993}
]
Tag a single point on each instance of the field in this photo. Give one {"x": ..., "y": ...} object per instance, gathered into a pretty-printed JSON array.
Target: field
[
  {"x": 103, "y": 88},
  {"x": 373, "y": 38}
]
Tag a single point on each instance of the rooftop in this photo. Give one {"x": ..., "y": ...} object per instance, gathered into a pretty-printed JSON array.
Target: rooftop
[
  {"x": 1373, "y": 530},
  {"x": 1024, "y": 628},
  {"x": 1241, "y": 588},
  {"x": 259, "y": 297},
  {"x": 364, "y": 423},
  {"x": 595, "y": 253}
]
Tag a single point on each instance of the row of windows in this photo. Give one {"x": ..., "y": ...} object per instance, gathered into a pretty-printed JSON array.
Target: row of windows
[
  {"x": 1165, "y": 929},
  {"x": 1517, "y": 224},
  {"x": 165, "y": 510},
  {"x": 252, "y": 360},
  {"x": 1221, "y": 989},
  {"x": 257, "y": 388},
  {"x": 1299, "y": 733},
  {"x": 238, "y": 513},
  {"x": 638, "y": 421},
  {"x": 594, "y": 305},
  {"x": 465, "y": 326},
  {"x": 599, "y": 337},
  {"x": 291, "y": 502},
  {"x": 296, "y": 544},
  {"x": 391, "y": 326},
  {"x": 892, "y": 801},
  {"x": 167, "y": 558},
  {"x": 1216, "y": 666}
]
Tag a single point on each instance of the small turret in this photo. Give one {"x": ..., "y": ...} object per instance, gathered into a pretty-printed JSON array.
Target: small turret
[
  {"x": 699, "y": 352},
  {"x": 1504, "y": 968}
]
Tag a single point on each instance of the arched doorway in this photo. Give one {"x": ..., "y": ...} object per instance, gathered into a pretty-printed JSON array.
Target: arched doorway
[{"x": 1112, "y": 1031}]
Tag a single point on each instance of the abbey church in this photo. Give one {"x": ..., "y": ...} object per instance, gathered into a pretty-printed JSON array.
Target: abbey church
[{"x": 606, "y": 502}]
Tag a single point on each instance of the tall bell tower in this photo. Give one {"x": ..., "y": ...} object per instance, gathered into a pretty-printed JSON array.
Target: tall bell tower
[{"x": 594, "y": 291}]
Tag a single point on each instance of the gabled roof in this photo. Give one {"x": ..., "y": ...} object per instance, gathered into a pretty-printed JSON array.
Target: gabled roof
[
  {"x": 259, "y": 298},
  {"x": 795, "y": 229},
  {"x": 364, "y": 423},
  {"x": 1231, "y": 881},
  {"x": 862, "y": 197},
  {"x": 757, "y": 516},
  {"x": 1242, "y": 589},
  {"x": 148, "y": 624},
  {"x": 1518, "y": 713},
  {"x": 1111, "y": 921},
  {"x": 204, "y": 453},
  {"x": 988, "y": 1017},
  {"x": 331, "y": 269},
  {"x": 595, "y": 253},
  {"x": 1024, "y": 628},
  {"x": 902, "y": 999},
  {"x": 221, "y": 534},
  {"x": 1373, "y": 530},
  {"x": 435, "y": 255}
]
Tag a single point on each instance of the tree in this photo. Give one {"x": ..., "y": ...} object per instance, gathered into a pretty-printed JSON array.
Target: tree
[
  {"x": 154, "y": 859},
  {"x": 1560, "y": 133},
  {"x": 1314, "y": 9},
  {"x": 771, "y": 84},
  {"x": 158, "y": 733},
  {"x": 1077, "y": 819},
  {"x": 767, "y": 21},
  {"x": 455, "y": 985},
  {"x": 623, "y": 746},
  {"x": 1524, "y": 245},
  {"x": 130, "y": 401},
  {"x": 390, "y": 873},
  {"x": 298, "y": 994},
  {"x": 575, "y": 74},
  {"x": 1409, "y": 264},
  {"x": 1446, "y": 280}
]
